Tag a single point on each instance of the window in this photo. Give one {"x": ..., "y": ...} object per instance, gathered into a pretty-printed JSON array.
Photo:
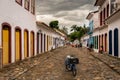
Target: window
[
  {"x": 19, "y": 2},
  {"x": 101, "y": 18},
  {"x": 27, "y": 2},
  {"x": 107, "y": 10},
  {"x": 104, "y": 16},
  {"x": 33, "y": 6}
]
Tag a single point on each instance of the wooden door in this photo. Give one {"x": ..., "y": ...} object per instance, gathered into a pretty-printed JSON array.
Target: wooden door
[
  {"x": 32, "y": 43},
  {"x": 6, "y": 44},
  {"x": 25, "y": 44},
  {"x": 17, "y": 45}
]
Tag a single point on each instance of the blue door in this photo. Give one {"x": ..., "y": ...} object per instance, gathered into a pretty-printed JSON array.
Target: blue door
[
  {"x": 110, "y": 42},
  {"x": 116, "y": 42}
]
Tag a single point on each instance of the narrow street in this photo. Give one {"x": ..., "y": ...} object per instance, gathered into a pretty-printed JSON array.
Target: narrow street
[{"x": 50, "y": 66}]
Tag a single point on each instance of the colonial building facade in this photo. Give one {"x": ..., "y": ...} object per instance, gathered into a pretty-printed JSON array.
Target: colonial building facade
[
  {"x": 109, "y": 16},
  {"x": 20, "y": 36},
  {"x": 93, "y": 29},
  {"x": 113, "y": 22},
  {"x": 17, "y": 29},
  {"x": 109, "y": 22},
  {"x": 85, "y": 40},
  {"x": 104, "y": 8}
]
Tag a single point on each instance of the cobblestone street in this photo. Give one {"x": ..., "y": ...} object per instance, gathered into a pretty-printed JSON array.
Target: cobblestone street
[{"x": 50, "y": 66}]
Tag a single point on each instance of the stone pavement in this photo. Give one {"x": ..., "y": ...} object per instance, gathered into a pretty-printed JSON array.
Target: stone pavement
[{"x": 50, "y": 66}]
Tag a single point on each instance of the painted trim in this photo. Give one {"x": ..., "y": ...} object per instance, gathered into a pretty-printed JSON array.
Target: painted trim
[
  {"x": 41, "y": 42},
  {"x": 110, "y": 39},
  {"x": 106, "y": 42},
  {"x": 19, "y": 3},
  {"x": 34, "y": 7},
  {"x": 27, "y": 42},
  {"x": 37, "y": 43},
  {"x": 33, "y": 42},
  {"x": 99, "y": 41},
  {"x": 27, "y": 8},
  {"x": 17, "y": 27},
  {"x": 44, "y": 42},
  {"x": 10, "y": 47},
  {"x": 116, "y": 46}
]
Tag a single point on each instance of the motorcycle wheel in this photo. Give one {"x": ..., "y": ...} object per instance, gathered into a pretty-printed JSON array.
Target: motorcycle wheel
[
  {"x": 74, "y": 72},
  {"x": 68, "y": 67}
]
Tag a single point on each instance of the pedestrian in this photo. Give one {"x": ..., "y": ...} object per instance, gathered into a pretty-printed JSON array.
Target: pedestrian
[{"x": 101, "y": 49}]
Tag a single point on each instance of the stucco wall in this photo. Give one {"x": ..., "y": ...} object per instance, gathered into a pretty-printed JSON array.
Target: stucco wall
[
  {"x": 112, "y": 26},
  {"x": 16, "y": 15},
  {"x": 96, "y": 20},
  {"x": 84, "y": 40},
  {"x": 96, "y": 33}
]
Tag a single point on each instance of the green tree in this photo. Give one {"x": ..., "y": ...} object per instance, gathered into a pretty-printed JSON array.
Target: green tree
[
  {"x": 54, "y": 24},
  {"x": 73, "y": 36},
  {"x": 74, "y": 28},
  {"x": 78, "y": 32}
]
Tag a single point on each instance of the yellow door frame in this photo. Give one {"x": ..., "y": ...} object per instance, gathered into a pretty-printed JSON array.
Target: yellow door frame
[
  {"x": 17, "y": 44},
  {"x": 32, "y": 43},
  {"x": 26, "y": 44},
  {"x": 6, "y": 42}
]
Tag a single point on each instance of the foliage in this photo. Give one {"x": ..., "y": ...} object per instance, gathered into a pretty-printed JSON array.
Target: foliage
[
  {"x": 78, "y": 32},
  {"x": 54, "y": 24}
]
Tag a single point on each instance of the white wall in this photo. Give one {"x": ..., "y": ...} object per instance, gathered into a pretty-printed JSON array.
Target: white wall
[
  {"x": 14, "y": 14},
  {"x": 84, "y": 40},
  {"x": 96, "y": 20},
  {"x": 96, "y": 33},
  {"x": 115, "y": 24},
  {"x": 53, "y": 35}
]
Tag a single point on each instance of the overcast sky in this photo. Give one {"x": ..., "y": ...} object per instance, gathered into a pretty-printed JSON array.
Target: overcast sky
[{"x": 67, "y": 12}]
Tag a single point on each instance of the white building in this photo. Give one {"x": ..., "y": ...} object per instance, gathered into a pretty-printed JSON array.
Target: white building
[
  {"x": 48, "y": 38},
  {"x": 103, "y": 14},
  {"x": 113, "y": 22},
  {"x": 18, "y": 30},
  {"x": 19, "y": 34},
  {"x": 84, "y": 40},
  {"x": 93, "y": 18}
]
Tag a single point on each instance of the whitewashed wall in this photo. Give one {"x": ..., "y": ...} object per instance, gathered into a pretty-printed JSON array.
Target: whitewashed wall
[
  {"x": 96, "y": 33},
  {"x": 14, "y": 14},
  {"x": 84, "y": 40},
  {"x": 115, "y": 23}
]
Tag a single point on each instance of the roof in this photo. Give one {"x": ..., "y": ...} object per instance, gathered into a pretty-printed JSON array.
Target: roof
[
  {"x": 60, "y": 32},
  {"x": 42, "y": 24},
  {"x": 91, "y": 14},
  {"x": 99, "y": 2}
]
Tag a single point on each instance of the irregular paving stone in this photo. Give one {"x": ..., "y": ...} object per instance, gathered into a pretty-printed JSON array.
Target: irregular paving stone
[
  {"x": 50, "y": 66},
  {"x": 97, "y": 78}
]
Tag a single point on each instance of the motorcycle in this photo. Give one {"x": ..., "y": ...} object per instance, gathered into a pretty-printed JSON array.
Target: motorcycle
[{"x": 70, "y": 63}]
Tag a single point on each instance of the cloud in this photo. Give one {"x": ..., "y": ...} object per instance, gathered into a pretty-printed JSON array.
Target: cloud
[
  {"x": 67, "y": 12},
  {"x": 61, "y": 14},
  {"x": 53, "y": 6}
]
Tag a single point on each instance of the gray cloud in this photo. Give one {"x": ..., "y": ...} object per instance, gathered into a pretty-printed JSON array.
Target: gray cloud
[
  {"x": 61, "y": 14},
  {"x": 68, "y": 12},
  {"x": 54, "y": 6}
]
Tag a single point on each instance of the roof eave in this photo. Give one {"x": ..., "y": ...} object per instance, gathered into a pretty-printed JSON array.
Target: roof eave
[{"x": 99, "y": 2}]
